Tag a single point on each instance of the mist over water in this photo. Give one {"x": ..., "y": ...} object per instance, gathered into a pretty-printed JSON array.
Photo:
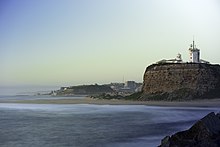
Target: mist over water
[
  {"x": 25, "y": 90},
  {"x": 86, "y": 125}
]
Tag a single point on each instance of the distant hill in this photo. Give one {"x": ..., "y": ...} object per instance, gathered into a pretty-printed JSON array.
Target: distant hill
[
  {"x": 84, "y": 90},
  {"x": 181, "y": 81}
]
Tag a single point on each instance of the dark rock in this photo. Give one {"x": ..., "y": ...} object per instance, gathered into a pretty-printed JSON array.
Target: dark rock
[
  {"x": 166, "y": 141},
  {"x": 204, "y": 133}
]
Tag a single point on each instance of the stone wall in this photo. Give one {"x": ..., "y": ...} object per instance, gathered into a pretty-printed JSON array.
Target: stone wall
[{"x": 181, "y": 81}]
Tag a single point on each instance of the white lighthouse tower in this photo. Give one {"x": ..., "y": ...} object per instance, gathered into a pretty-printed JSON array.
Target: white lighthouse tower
[{"x": 194, "y": 53}]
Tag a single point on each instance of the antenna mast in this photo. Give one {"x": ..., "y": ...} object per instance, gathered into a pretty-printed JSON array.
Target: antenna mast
[{"x": 193, "y": 43}]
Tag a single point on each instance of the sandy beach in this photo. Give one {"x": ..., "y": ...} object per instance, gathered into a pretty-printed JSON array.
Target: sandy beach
[{"x": 194, "y": 103}]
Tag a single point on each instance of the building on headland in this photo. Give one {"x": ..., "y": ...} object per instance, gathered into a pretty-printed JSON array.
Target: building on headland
[
  {"x": 126, "y": 88},
  {"x": 116, "y": 86},
  {"x": 194, "y": 55},
  {"x": 130, "y": 84},
  {"x": 178, "y": 59}
]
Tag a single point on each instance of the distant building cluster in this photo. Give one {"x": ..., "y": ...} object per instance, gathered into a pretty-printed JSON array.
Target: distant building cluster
[
  {"x": 194, "y": 56},
  {"x": 126, "y": 88}
]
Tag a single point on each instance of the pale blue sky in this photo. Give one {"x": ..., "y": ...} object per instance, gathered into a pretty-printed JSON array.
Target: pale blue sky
[{"x": 70, "y": 42}]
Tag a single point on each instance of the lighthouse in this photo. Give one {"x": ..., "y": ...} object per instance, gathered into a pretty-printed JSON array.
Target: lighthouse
[{"x": 194, "y": 53}]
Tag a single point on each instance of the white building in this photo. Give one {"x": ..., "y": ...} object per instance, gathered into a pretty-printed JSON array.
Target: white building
[
  {"x": 194, "y": 53},
  {"x": 130, "y": 84},
  {"x": 178, "y": 59}
]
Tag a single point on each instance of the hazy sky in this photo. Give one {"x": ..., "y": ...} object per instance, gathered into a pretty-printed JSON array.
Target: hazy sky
[{"x": 70, "y": 42}]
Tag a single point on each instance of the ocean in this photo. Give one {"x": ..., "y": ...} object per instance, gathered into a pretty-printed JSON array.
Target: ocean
[{"x": 88, "y": 125}]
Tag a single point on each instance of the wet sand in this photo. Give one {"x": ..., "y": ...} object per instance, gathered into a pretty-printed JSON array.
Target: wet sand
[{"x": 193, "y": 103}]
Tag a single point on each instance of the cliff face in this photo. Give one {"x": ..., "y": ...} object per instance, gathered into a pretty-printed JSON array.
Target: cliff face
[{"x": 181, "y": 81}]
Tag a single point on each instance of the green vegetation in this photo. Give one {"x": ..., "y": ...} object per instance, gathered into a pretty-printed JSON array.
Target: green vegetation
[
  {"x": 107, "y": 96},
  {"x": 154, "y": 97},
  {"x": 134, "y": 96},
  {"x": 177, "y": 95}
]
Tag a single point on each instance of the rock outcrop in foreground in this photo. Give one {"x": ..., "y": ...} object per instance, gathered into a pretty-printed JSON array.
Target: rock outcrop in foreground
[
  {"x": 204, "y": 133},
  {"x": 181, "y": 81}
]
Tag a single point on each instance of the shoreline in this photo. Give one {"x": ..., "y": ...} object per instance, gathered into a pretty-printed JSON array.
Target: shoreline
[{"x": 86, "y": 100}]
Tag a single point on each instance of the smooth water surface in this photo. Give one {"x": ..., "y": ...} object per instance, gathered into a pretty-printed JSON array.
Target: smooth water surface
[{"x": 85, "y": 125}]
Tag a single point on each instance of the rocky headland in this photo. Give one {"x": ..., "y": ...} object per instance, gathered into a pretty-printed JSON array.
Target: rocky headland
[
  {"x": 181, "y": 81},
  {"x": 161, "y": 82},
  {"x": 204, "y": 133}
]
